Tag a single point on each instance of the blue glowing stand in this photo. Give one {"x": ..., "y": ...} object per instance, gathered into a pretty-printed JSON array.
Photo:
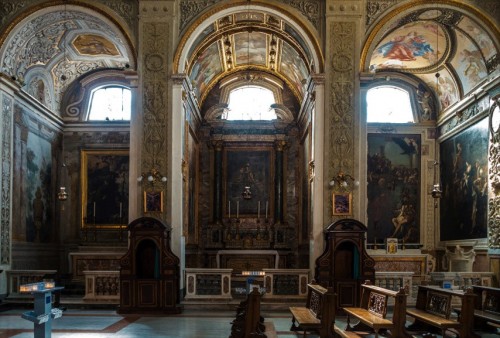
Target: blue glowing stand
[{"x": 43, "y": 312}]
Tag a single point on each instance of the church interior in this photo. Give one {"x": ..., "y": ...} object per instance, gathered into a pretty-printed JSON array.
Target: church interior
[{"x": 160, "y": 156}]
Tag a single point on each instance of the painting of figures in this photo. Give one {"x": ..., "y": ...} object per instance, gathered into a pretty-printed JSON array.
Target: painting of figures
[
  {"x": 464, "y": 175},
  {"x": 414, "y": 45},
  {"x": 393, "y": 187},
  {"x": 468, "y": 63}
]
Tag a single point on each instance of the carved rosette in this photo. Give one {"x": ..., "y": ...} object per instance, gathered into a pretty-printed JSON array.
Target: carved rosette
[
  {"x": 155, "y": 99},
  {"x": 341, "y": 104},
  {"x": 6, "y": 179}
]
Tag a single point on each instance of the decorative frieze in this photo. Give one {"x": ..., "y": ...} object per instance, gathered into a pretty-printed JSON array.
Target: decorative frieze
[
  {"x": 494, "y": 173},
  {"x": 9, "y": 9},
  {"x": 155, "y": 54},
  {"x": 341, "y": 98},
  {"x": 6, "y": 180},
  {"x": 312, "y": 10},
  {"x": 375, "y": 8}
]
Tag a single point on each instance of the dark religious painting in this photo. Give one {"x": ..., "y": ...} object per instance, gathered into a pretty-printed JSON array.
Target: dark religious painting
[
  {"x": 37, "y": 189},
  {"x": 394, "y": 187},
  {"x": 104, "y": 187},
  {"x": 247, "y": 181},
  {"x": 464, "y": 175}
]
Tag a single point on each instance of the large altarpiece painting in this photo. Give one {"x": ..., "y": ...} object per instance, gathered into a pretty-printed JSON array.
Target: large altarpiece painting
[
  {"x": 464, "y": 174},
  {"x": 104, "y": 184},
  {"x": 248, "y": 176},
  {"x": 394, "y": 187}
]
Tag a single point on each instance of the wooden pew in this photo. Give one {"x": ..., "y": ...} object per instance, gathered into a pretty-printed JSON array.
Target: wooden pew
[
  {"x": 319, "y": 313},
  {"x": 248, "y": 322},
  {"x": 371, "y": 314},
  {"x": 433, "y": 311},
  {"x": 486, "y": 308}
]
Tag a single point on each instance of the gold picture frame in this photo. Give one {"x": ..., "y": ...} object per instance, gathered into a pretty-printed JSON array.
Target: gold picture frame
[
  {"x": 153, "y": 201},
  {"x": 342, "y": 204}
]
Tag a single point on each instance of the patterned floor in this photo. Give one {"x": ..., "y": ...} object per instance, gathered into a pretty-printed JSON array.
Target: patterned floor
[{"x": 108, "y": 324}]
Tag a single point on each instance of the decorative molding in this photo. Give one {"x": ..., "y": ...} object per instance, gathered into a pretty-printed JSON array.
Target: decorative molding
[
  {"x": 128, "y": 10},
  {"x": 312, "y": 10},
  {"x": 494, "y": 173},
  {"x": 9, "y": 9},
  {"x": 375, "y": 8},
  {"x": 341, "y": 100},
  {"x": 189, "y": 9},
  {"x": 5, "y": 193},
  {"x": 155, "y": 98},
  {"x": 464, "y": 115}
]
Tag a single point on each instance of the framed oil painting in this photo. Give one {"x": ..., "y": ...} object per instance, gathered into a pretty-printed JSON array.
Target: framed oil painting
[
  {"x": 464, "y": 176},
  {"x": 248, "y": 179},
  {"x": 104, "y": 187},
  {"x": 393, "y": 187},
  {"x": 342, "y": 204},
  {"x": 153, "y": 201}
]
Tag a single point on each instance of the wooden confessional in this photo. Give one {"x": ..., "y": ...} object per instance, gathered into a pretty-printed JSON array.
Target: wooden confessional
[
  {"x": 345, "y": 264},
  {"x": 149, "y": 274}
]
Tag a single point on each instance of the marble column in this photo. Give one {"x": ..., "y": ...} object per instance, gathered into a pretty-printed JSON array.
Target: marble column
[
  {"x": 278, "y": 183},
  {"x": 217, "y": 207}
]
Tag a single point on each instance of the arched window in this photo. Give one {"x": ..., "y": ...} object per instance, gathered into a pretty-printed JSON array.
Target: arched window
[
  {"x": 110, "y": 103},
  {"x": 251, "y": 103},
  {"x": 388, "y": 104}
]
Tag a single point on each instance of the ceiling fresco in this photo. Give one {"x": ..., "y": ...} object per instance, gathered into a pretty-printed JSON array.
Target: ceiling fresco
[
  {"x": 248, "y": 41},
  {"x": 58, "y": 46},
  {"x": 443, "y": 41}
]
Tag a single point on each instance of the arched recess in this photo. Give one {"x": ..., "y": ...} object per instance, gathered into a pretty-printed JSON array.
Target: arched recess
[
  {"x": 55, "y": 43},
  {"x": 456, "y": 47},
  {"x": 217, "y": 31}
]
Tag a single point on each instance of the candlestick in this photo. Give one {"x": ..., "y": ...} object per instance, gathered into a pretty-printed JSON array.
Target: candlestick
[
  {"x": 237, "y": 209},
  {"x": 229, "y": 212},
  {"x": 267, "y": 202},
  {"x": 258, "y": 209},
  {"x": 94, "y": 210}
]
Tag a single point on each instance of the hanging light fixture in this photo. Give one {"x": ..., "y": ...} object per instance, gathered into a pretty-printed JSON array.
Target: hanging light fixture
[
  {"x": 436, "y": 191},
  {"x": 63, "y": 41}
]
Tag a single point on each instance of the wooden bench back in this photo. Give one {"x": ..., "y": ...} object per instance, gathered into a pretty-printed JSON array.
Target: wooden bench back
[
  {"x": 488, "y": 299},
  {"x": 315, "y": 298},
  {"x": 375, "y": 299}
]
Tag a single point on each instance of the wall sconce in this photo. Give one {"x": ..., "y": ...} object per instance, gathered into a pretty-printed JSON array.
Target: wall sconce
[
  {"x": 62, "y": 195},
  {"x": 153, "y": 177},
  {"x": 344, "y": 181}
]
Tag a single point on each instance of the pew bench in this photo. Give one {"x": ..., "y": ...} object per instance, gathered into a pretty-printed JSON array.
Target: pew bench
[
  {"x": 319, "y": 313},
  {"x": 486, "y": 308},
  {"x": 248, "y": 322},
  {"x": 371, "y": 315},
  {"x": 432, "y": 311}
]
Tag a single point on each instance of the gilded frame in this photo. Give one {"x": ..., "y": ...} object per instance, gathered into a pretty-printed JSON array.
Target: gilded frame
[
  {"x": 153, "y": 201},
  {"x": 104, "y": 186},
  {"x": 342, "y": 204}
]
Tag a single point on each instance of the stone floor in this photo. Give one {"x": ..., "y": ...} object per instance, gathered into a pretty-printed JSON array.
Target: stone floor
[{"x": 191, "y": 323}]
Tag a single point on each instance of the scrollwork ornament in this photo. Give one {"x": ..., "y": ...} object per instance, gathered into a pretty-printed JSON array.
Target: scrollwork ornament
[{"x": 6, "y": 180}]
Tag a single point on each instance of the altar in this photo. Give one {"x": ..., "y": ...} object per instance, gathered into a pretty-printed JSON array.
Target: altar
[{"x": 247, "y": 260}]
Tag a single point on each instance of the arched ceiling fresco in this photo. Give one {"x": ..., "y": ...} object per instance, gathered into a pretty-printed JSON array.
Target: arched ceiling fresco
[
  {"x": 442, "y": 42},
  {"x": 250, "y": 40},
  {"x": 54, "y": 46}
]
